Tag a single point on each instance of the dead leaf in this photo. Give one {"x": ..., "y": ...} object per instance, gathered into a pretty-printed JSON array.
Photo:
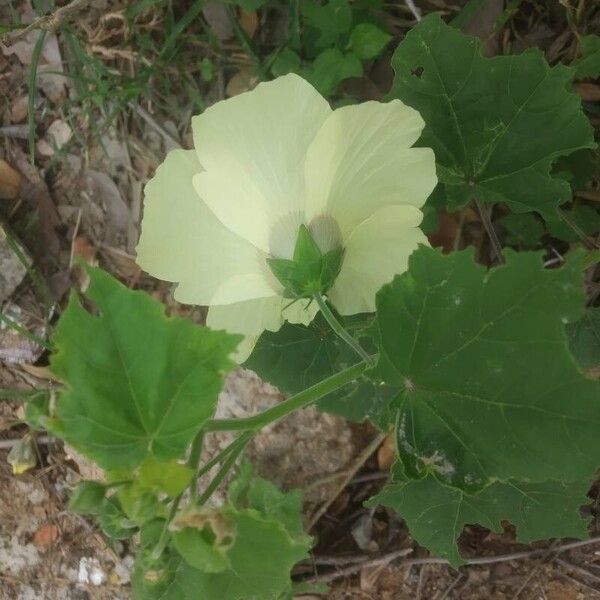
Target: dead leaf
[
  {"x": 199, "y": 518},
  {"x": 242, "y": 81},
  {"x": 483, "y": 25},
  {"x": 10, "y": 181},
  {"x": 104, "y": 209},
  {"x": 82, "y": 248},
  {"x": 46, "y": 535},
  {"x": 18, "y": 109},
  {"x": 50, "y": 69},
  {"x": 386, "y": 455},
  {"x": 22, "y": 456},
  {"x": 589, "y": 92},
  {"x": 248, "y": 20}
]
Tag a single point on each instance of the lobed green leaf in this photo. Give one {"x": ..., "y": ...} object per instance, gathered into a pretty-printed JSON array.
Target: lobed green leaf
[
  {"x": 137, "y": 383},
  {"x": 487, "y": 118}
]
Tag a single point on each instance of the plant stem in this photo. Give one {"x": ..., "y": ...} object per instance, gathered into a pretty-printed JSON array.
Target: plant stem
[
  {"x": 236, "y": 448},
  {"x": 300, "y": 400},
  {"x": 340, "y": 331},
  {"x": 216, "y": 460},
  {"x": 194, "y": 459},
  {"x": 164, "y": 535},
  {"x": 35, "y": 61}
]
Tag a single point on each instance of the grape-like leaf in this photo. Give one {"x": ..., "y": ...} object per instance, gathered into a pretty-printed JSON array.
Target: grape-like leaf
[
  {"x": 137, "y": 382},
  {"x": 588, "y": 64},
  {"x": 487, "y": 118},
  {"x": 257, "y": 537},
  {"x": 296, "y": 357},
  {"x": 522, "y": 230},
  {"x": 486, "y": 386},
  {"x": 584, "y": 339},
  {"x": 368, "y": 40},
  {"x": 436, "y": 513},
  {"x": 578, "y": 222}
]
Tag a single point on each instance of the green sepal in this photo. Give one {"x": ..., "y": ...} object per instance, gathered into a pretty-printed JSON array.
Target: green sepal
[{"x": 310, "y": 271}]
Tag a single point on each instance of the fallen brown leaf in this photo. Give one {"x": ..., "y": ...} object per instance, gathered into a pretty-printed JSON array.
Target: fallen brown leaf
[
  {"x": 10, "y": 181},
  {"x": 590, "y": 92},
  {"x": 386, "y": 455},
  {"x": 248, "y": 22}
]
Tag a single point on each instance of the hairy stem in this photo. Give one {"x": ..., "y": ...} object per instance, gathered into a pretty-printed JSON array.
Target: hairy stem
[
  {"x": 340, "y": 331},
  {"x": 300, "y": 400}
]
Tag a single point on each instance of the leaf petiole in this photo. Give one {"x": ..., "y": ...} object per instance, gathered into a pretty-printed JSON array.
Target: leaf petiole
[
  {"x": 338, "y": 328},
  {"x": 300, "y": 400}
]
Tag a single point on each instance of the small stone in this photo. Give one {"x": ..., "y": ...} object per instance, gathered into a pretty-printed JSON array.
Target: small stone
[{"x": 57, "y": 135}]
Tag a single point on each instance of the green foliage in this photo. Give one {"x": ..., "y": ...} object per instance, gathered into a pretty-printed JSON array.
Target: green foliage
[
  {"x": 436, "y": 513},
  {"x": 368, "y": 41},
  {"x": 522, "y": 230},
  {"x": 331, "y": 20},
  {"x": 137, "y": 382},
  {"x": 87, "y": 498},
  {"x": 584, "y": 339},
  {"x": 578, "y": 168},
  {"x": 479, "y": 110},
  {"x": 330, "y": 68},
  {"x": 470, "y": 409},
  {"x": 588, "y": 64},
  {"x": 296, "y": 357},
  {"x": 220, "y": 553},
  {"x": 170, "y": 478},
  {"x": 336, "y": 37},
  {"x": 576, "y": 223},
  {"x": 115, "y": 524}
]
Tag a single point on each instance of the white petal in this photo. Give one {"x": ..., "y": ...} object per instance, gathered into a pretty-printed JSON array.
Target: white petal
[
  {"x": 376, "y": 250},
  {"x": 253, "y": 148},
  {"x": 361, "y": 160},
  {"x": 182, "y": 241},
  {"x": 252, "y": 317}
]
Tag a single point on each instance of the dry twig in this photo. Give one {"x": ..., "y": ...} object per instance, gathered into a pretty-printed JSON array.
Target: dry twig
[
  {"x": 51, "y": 22},
  {"x": 480, "y": 560}
]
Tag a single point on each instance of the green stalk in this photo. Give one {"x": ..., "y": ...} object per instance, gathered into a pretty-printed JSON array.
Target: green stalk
[
  {"x": 340, "y": 331},
  {"x": 300, "y": 400},
  {"x": 194, "y": 459},
  {"x": 237, "y": 448},
  {"x": 35, "y": 61}
]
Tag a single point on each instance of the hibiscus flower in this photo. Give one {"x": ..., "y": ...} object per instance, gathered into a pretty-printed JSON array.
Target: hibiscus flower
[{"x": 275, "y": 168}]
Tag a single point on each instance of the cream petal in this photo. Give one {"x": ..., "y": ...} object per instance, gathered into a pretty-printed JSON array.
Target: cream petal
[
  {"x": 361, "y": 160},
  {"x": 249, "y": 318},
  {"x": 183, "y": 241},
  {"x": 376, "y": 250},
  {"x": 252, "y": 317},
  {"x": 253, "y": 148}
]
